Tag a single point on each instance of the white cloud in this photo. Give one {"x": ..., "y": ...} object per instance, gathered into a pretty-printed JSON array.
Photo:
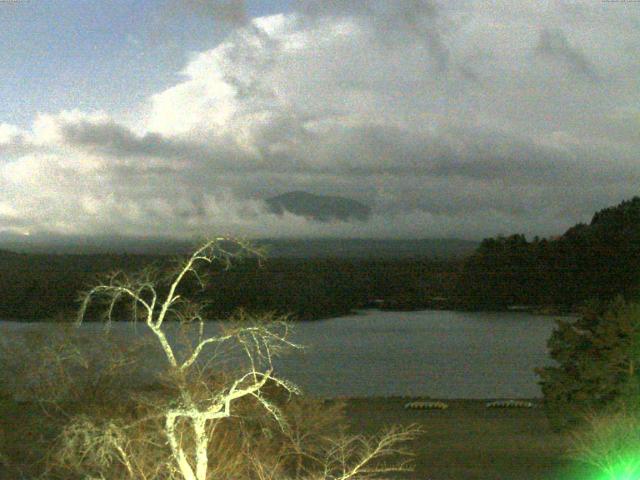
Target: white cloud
[{"x": 9, "y": 133}]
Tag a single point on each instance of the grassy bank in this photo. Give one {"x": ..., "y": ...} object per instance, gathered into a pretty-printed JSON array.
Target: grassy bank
[{"x": 467, "y": 441}]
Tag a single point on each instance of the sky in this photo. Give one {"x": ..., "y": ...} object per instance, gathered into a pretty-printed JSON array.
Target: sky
[{"x": 462, "y": 119}]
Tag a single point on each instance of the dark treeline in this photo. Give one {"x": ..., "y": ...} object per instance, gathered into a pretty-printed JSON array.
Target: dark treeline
[
  {"x": 320, "y": 288},
  {"x": 40, "y": 286},
  {"x": 44, "y": 286},
  {"x": 595, "y": 261}
]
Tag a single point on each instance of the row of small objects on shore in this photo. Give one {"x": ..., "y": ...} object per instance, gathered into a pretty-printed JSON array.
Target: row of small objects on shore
[
  {"x": 509, "y": 404},
  {"x": 426, "y": 405},
  {"x": 420, "y": 405}
]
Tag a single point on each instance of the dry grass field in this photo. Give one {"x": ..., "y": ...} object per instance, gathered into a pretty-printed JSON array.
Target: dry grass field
[{"x": 467, "y": 441}]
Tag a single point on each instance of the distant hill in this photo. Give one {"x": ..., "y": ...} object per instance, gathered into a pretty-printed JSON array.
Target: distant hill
[{"x": 321, "y": 208}]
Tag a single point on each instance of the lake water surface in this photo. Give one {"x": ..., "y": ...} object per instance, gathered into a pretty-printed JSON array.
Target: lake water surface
[{"x": 436, "y": 353}]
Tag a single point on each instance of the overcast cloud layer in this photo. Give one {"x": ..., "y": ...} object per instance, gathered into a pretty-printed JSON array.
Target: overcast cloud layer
[{"x": 462, "y": 119}]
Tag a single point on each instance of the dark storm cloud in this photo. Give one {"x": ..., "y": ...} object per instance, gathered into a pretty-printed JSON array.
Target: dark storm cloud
[
  {"x": 118, "y": 140},
  {"x": 367, "y": 151},
  {"x": 359, "y": 151},
  {"x": 523, "y": 162},
  {"x": 553, "y": 43}
]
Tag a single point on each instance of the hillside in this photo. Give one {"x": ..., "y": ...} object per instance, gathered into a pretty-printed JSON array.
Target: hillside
[{"x": 594, "y": 261}]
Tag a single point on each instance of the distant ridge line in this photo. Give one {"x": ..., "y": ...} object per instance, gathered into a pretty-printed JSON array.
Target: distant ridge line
[{"x": 356, "y": 248}]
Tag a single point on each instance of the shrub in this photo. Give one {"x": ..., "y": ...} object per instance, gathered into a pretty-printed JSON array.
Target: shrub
[
  {"x": 597, "y": 362},
  {"x": 125, "y": 443},
  {"x": 64, "y": 364}
]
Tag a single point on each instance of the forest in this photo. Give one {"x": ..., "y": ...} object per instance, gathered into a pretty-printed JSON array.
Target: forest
[{"x": 588, "y": 262}]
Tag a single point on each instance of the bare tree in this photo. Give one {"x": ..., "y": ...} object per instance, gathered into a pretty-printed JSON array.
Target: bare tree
[{"x": 155, "y": 299}]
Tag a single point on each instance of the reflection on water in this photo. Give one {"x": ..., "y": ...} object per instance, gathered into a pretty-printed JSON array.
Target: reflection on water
[{"x": 436, "y": 353}]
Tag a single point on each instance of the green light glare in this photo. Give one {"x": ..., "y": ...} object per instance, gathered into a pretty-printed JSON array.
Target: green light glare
[{"x": 626, "y": 468}]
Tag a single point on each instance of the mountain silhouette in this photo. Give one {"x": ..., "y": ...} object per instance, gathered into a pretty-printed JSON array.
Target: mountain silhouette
[{"x": 320, "y": 208}]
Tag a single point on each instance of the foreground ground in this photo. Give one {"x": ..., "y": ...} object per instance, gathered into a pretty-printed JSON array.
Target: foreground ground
[{"x": 467, "y": 441}]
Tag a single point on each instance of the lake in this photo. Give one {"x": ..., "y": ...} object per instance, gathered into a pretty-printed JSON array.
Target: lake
[{"x": 441, "y": 354}]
